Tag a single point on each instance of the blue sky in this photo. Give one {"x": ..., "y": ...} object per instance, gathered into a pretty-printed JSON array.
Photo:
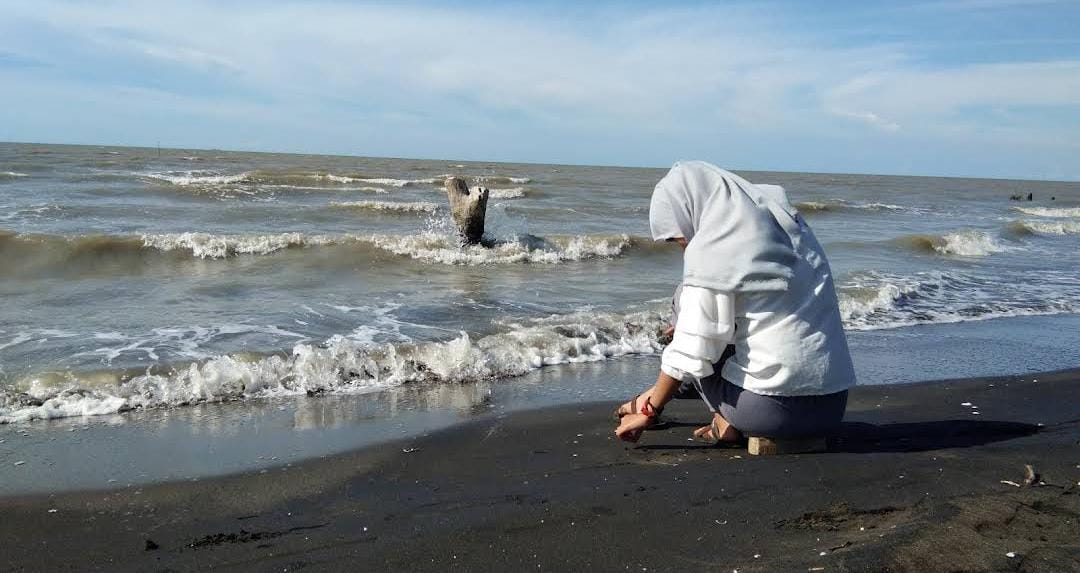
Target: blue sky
[{"x": 943, "y": 87}]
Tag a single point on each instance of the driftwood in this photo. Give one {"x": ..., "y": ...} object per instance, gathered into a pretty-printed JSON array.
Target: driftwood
[
  {"x": 468, "y": 207},
  {"x": 758, "y": 446}
]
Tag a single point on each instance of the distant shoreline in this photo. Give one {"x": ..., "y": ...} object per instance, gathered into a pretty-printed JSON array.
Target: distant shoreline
[{"x": 1018, "y": 179}]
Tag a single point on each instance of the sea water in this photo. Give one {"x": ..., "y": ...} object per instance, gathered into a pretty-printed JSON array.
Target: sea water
[{"x": 144, "y": 279}]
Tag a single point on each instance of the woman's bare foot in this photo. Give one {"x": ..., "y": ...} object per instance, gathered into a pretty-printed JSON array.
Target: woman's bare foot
[{"x": 720, "y": 431}]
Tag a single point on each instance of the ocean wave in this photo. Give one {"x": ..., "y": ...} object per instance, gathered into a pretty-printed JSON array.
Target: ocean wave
[
  {"x": 11, "y": 175},
  {"x": 1045, "y": 227},
  {"x": 440, "y": 248},
  {"x": 430, "y": 246},
  {"x": 340, "y": 365},
  {"x": 511, "y": 193},
  {"x": 874, "y": 301},
  {"x": 389, "y": 182},
  {"x": 25, "y": 246},
  {"x": 501, "y": 179},
  {"x": 841, "y": 206},
  {"x": 199, "y": 178},
  {"x": 29, "y": 249},
  {"x": 389, "y": 206},
  {"x": 968, "y": 243},
  {"x": 1059, "y": 213},
  {"x": 211, "y": 246},
  {"x": 299, "y": 179},
  {"x": 41, "y": 211}
]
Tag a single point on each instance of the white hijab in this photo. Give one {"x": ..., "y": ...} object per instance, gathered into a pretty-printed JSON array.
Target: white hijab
[{"x": 742, "y": 236}]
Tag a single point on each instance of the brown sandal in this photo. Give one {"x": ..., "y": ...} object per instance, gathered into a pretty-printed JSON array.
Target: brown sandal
[
  {"x": 712, "y": 437},
  {"x": 654, "y": 423}
]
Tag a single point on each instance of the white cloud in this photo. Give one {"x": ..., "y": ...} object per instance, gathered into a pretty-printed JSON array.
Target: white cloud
[
  {"x": 522, "y": 71},
  {"x": 867, "y": 117}
]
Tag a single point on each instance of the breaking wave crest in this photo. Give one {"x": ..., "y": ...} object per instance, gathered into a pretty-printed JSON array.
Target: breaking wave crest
[
  {"x": 511, "y": 193},
  {"x": 440, "y": 248},
  {"x": 339, "y": 365},
  {"x": 840, "y": 206},
  {"x": 1064, "y": 212},
  {"x": 964, "y": 243},
  {"x": 389, "y": 206},
  {"x": 873, "y": 301},
  {"x": 1045, "y": 227},
  {"x": 430, "y": 246},
  {"x": 390, "y": 182},
  {"x": 502, "y": 180},
  {"x": 196, "y": 178},
  {"x": 210, "y": 246}
]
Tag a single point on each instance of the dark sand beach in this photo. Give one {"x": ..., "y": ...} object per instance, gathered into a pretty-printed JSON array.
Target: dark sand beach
[{"x": 914, "y": 482}]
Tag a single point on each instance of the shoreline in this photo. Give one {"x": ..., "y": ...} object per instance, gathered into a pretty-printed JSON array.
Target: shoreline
[
  {"x": 914, "y": 481},
  {"x": 214, "y": 439}
]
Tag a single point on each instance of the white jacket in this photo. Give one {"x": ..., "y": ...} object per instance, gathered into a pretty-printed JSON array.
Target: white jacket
[{"x": 788, "y": 343}]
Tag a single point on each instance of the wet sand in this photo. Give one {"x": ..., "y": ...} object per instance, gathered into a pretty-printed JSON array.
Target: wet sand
[{"x": 913, "y": 482}]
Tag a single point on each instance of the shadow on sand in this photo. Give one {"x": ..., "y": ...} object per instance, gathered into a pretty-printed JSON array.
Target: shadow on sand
[{"x": 861, "y": 437}]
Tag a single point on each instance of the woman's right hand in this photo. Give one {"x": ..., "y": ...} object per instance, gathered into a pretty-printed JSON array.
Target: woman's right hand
[{"x": 631, "y": 427}]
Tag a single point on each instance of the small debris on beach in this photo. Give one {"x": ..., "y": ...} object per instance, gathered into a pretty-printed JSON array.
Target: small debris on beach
[
  {"x": 409, "y": 450},
  {"x": 150, "y": 545},
  {"x": 54, "y": 510},
  {"x": 19, "y": 463},
  {"x": 1012, "y": 483},
  {"x": 965, "y": 403},
  {"x": 1030, "y": 476},
  {"x": 1010, "y": 554}
]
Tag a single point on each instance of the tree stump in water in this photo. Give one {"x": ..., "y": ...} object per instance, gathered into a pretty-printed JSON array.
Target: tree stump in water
[{"x": 468, "y": 207}]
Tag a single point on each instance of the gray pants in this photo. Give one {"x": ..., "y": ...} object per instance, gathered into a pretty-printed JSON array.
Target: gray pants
[{"x": 773, "y": 416}]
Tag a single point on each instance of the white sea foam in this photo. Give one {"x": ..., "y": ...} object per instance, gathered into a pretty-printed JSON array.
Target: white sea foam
[
  {"x": 844, "y": 205},
  {"x": 388, "y": 182},
  {"x": 1060, "y": 213},
  {"x": 501, "y": 179},
  {"x": 336, "y": 178},
  {"x": 1051, "y": 227},
  {"x": 390, "y": 206},
  {"x": 198, "y": 178},
  {"x": 340, "y": 365},
  {"x": 440, "y": 248},
  {"x": 206, "y": 245},
  {"x": 874, "y": 301},
  {"x": 12, "y": 174},
  {"x": 511, "y": 193},
  {"x": 970, "y": 244},
  {"x": 430, "y": 246}
]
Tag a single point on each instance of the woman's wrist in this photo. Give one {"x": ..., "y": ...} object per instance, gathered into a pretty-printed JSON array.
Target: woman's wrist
[{"x": 663, "y": 390}]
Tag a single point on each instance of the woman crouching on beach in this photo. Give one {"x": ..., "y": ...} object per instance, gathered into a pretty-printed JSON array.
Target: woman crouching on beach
[{"x": 754, "y": 277}]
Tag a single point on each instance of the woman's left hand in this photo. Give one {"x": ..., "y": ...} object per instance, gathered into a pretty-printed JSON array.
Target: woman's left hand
[{"x": 631, "y": 426}]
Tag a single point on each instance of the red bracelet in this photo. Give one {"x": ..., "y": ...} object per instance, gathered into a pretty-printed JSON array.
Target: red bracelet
[{"x": 648, "y": 410}]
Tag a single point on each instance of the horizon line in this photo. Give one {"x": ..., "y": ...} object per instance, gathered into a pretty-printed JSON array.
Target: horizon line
[{"x": 597, "y": 165}]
